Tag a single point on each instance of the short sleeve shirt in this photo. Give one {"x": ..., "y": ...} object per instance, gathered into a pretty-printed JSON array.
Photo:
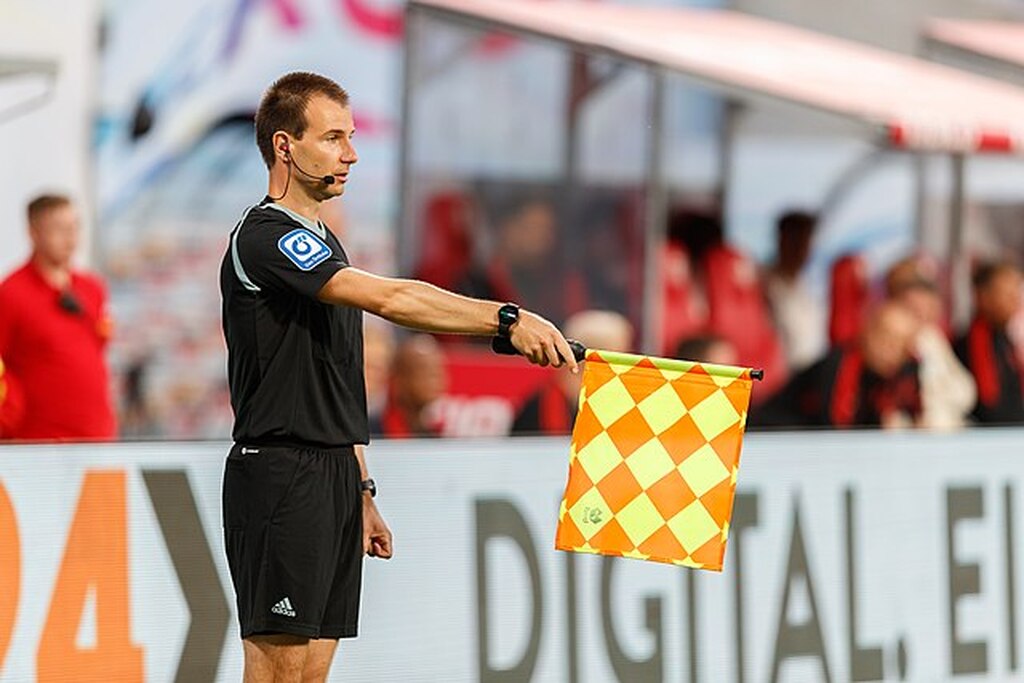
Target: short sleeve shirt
[{"x": 295, "y": 364}]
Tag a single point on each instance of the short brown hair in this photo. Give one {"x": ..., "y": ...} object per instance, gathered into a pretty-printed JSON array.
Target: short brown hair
[
  {"x": 43, "y": 203},
  {"x": 283, "y": 107},
  {"x": 985, "y": 273}
]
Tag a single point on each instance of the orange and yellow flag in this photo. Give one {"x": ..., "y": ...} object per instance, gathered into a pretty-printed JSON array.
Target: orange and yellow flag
[{"x": 654, "y": 457}]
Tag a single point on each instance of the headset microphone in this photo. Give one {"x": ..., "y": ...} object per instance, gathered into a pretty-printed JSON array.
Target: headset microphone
[{"x": 326, "y": 179}]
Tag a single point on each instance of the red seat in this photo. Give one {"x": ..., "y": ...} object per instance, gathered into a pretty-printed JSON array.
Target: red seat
[
  {"x": 446, "y": 240},
  {"x": 684, "y": 314},
  {"x": 848, "y": 299},
  {"x": 737, "y": 311}
]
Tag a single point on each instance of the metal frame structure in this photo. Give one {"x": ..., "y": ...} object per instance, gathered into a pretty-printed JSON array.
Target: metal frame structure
[{"x": 903, "y": 103}]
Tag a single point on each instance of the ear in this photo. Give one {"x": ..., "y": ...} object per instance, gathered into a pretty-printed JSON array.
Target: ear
[{"x": 281, "y": 146}]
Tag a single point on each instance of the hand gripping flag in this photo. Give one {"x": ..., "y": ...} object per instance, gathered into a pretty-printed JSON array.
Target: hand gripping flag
[{"x": 654, "y": 457}]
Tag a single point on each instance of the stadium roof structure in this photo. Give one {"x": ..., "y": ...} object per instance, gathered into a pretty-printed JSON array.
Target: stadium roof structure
[
  {"x": 910, "y": 102},
  {"x": 16, "y": 69},
  {"x": 900, "y": 101},
  {"x": 997, "y": 41}
]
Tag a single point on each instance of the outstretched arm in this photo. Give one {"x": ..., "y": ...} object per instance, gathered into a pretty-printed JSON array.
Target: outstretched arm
[{"x": 423, "y": 306}]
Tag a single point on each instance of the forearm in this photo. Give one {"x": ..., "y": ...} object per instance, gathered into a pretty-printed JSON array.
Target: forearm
[
  {"x": 425, "y": 307},
  {"x": 422, "y": 306},
  {"x": 412, "y": 303},
  {"x": 364, "y": 473}
]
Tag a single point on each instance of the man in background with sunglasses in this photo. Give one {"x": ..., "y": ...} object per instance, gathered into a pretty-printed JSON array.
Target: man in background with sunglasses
[{"x": 54, "y": 330}]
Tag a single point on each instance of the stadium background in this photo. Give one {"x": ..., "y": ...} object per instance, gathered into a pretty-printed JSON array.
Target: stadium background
[{"x": 138, "y": 109}]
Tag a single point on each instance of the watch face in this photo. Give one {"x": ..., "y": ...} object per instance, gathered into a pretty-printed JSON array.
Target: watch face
[{"x": 508, "y": 315}]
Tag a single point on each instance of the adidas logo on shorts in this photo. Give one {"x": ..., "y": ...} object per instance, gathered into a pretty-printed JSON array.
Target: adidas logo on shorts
[{"x": 284, "y": 608}]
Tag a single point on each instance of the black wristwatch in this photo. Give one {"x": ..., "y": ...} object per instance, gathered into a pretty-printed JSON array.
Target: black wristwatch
[
  {"x": 508, "y": 315},
  {"x": 369, "y": 486}
]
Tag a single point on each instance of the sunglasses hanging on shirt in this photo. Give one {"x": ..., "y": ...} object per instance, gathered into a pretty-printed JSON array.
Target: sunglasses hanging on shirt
[{"x": 69, "y": 303}]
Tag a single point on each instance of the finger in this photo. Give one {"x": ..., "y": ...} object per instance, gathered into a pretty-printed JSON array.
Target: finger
[
  {"x": 566, "y": 351},
  {"x": 552, "y": 354},
  {"x": 381, "y": 548}
]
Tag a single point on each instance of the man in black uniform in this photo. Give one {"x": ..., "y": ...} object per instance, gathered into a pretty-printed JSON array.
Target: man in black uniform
[
  {"x": 986, "y": 348},
  {"x": 298, "y": 503}
]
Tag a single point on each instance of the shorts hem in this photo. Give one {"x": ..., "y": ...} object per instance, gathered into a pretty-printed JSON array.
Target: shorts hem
[
  {"x": 339, "y": 632},
  {"x": 286, "y": 627}
]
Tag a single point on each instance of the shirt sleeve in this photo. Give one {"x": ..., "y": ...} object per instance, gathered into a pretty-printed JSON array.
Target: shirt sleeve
[
  {"x": 6, "y": 321},
  {"x": 11, "y": 397},
  {"x": 278, "y": 255}
]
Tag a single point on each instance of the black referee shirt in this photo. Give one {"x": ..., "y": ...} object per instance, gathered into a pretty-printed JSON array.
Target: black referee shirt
[{"x": 295, "y": 364}]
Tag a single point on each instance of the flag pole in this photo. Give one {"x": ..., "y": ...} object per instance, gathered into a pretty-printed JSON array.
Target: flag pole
[{"x": 503, "y": 346}]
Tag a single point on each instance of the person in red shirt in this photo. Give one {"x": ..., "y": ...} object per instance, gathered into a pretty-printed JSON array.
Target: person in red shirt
[
  {"x": 54, "y": 330},
  {"x": 418, "y": 380}
]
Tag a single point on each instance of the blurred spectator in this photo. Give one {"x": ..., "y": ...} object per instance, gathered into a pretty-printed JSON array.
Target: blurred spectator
[
  {"x": 798, "y": 315},
  {"x": 870, "y": 383},
  {"x": 947, "y": 388},
  {"x": 986, "y": 348},
  {"x": 684, "y": 301},
  {"x": 605, "y": 255},
  {"x": 137, "y": 418},
  {"x": 54, "y": 330},
  {"x": 552, "y": 409},
  {"x": 849, "y": 295},
  {"x": 378, "y": 355},
  {"x": 707, "y": 349},
  {"x": 523, "y": 266},
  {"x": 725, "y": 285},
  {"x": 418, "y": 379}
]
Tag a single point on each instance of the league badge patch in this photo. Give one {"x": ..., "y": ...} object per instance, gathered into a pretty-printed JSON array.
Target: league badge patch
[{"x": 304, "y": 249}]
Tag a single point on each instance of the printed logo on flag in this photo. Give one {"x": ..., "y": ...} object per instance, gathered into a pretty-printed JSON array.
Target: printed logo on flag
[{"x": 304, "y": 249}]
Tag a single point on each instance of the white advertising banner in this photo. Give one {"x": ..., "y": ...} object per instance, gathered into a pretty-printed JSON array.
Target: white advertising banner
[{"x": 852, "y": 557}]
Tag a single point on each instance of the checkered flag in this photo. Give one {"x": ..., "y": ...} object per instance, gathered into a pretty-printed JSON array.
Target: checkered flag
[{"x": 654, "y": 457}]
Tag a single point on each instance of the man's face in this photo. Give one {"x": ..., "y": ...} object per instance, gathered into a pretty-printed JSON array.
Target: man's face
[
  {"x": 888, "y": 339},
  {"x": 54, "y": 234},
  {"x": 325, "y": 147},
  {"x": 530, "y": 236},
  {"x": 1001, "y": 299},
  {"x": 419, "y": 374}
]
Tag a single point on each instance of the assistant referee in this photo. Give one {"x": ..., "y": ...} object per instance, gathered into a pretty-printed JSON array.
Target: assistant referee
[{"x": 298, "y": 503}]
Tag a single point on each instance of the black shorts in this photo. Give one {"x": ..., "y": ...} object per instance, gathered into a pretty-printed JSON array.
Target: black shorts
[{"x": 293, "y": 530}]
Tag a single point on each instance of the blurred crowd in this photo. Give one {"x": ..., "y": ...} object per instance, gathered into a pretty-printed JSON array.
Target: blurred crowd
[{"x": 869, "y": 351}]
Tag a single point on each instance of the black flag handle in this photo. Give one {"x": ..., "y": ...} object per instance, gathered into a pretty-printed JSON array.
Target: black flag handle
[{"x": 503, "y": 345}]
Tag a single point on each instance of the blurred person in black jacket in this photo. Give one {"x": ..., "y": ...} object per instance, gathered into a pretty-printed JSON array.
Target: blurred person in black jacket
[
  {"x": 986, "y": 348},
  {"x": 870, "y": 383}
]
